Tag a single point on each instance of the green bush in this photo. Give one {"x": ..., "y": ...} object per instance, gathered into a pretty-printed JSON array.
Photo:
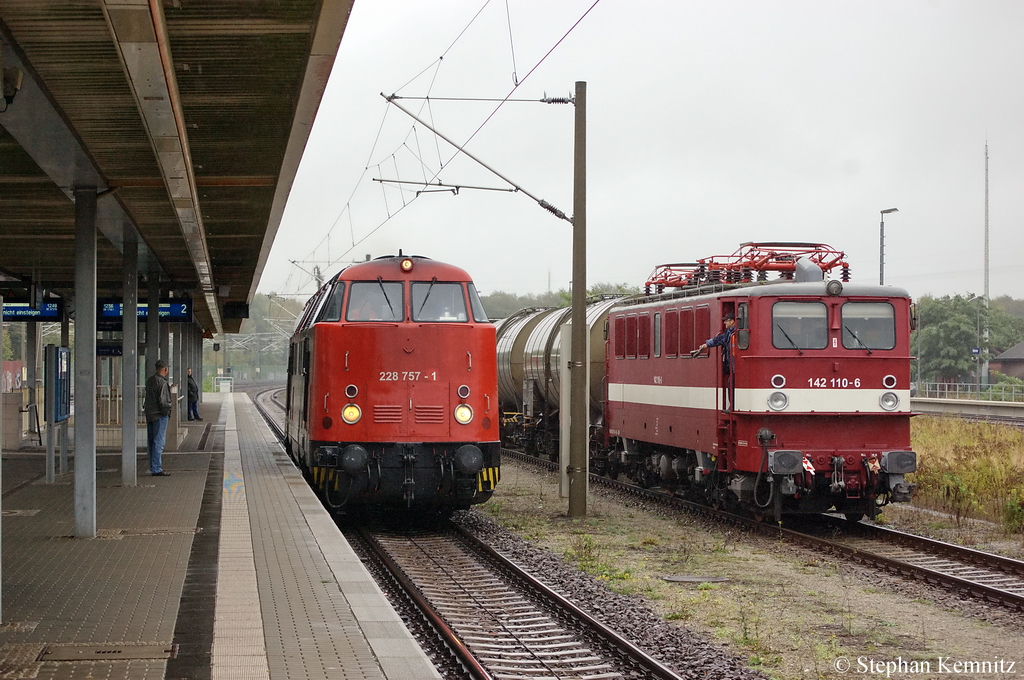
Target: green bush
[{"x": 1013, "y": 512}]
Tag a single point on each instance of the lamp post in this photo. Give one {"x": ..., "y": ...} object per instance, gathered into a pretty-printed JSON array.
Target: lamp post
[{"x": 881, "y": 246}]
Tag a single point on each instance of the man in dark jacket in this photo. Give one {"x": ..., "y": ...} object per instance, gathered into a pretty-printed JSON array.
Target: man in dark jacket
[
  {"x": 193, "y": 397},
  {"x": 158, "y": 412},
  {"x": 724, "y": 340}
]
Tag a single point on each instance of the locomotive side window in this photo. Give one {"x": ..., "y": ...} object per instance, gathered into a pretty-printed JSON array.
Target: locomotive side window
[
  {"x": 620, "y": 337},
  {"x": 671, "y": 342},
  {"x": 644, "y": 333},
  {"x": 307, "y": 313},
  {"x": 657, "y": 334},
  {"x": 479, "y": 314},
  {"x": 631, "y": 336},
  {"x": 799, "y": 325},
  {"x": 742, "y": 326},
  {"x": 686, "y": 331},
  {"x": 869, "y": 325},
  {"x": 433, "y": 301},
  {"x": 332, "y": 310},
  {"x": 376, "y": 301}
]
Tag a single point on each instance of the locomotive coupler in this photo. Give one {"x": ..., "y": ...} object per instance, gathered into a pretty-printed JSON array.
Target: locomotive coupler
[
  {"x": 838, "y": 478},
  {"x": 409, "y": 481}
]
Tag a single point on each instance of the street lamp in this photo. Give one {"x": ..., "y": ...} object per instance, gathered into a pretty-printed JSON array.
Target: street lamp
[{"x": 881, "y": 246}]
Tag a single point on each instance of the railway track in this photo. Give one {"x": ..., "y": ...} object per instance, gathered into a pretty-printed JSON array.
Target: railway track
[
  {"x": 501, "y": 621},
  {"x": 979, "y": 574},
  {"x": 498, "y": 620}
]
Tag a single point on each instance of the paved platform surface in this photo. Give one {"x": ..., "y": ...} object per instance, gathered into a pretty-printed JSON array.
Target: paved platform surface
[{"x": 228, "y": 568}]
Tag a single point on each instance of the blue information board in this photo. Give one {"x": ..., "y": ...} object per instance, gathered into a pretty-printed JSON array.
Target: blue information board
[
  {"x": 19, "y": 310},
  {"x": 175, "y": 310}
]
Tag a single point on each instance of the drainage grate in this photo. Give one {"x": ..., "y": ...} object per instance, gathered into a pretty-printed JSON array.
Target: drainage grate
[{"x": 107, "y": 652}]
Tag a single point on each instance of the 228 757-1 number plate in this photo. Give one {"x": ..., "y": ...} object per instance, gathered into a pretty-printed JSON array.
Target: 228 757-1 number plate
[{"x": 386, "y": 376}]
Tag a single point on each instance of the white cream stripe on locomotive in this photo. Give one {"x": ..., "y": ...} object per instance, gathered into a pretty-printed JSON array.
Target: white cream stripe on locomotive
[{"x": 821, "y": 400}]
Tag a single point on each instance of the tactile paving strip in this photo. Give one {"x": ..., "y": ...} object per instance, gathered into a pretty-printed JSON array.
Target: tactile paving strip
[
  {"x": 62, "y": 591},
  {"x": 323, "y": 616}
]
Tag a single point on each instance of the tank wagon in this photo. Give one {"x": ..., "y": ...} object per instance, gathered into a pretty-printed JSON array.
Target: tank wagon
[
  {"x": 392, "y": 388},
  {"x": 810, "y": 413}
]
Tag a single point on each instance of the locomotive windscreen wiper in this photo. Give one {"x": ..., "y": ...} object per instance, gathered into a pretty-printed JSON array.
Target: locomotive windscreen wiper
[
  {"x": 795, "y": 346},
  {"x": 380, "y": 283},
  {"x": 424, "y": 303},
  {"x": 850, "y": 331}
]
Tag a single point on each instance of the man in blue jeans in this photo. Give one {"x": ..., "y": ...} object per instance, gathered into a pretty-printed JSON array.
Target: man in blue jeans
[{"x": 158, "y": 412}]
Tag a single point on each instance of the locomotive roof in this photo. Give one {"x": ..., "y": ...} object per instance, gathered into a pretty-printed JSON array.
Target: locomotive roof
[
  {"x": 768, "y": 288},
  {"x": 388, "y": 268}
]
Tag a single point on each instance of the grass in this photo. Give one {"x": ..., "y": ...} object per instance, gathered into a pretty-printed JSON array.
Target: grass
[{"x": 970, "y": 470}]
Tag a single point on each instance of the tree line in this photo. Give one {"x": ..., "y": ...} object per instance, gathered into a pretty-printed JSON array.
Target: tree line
[{"x": 949, "y": 329}]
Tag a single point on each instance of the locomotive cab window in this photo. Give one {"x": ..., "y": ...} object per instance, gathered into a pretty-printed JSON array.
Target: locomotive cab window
[
  {"x": 434, "y": 301},
  {"x": 869, "y": 325},
  {"x": 479, "y": 314},
  {"x": 799, "y": 325},
  {"x": 332, "y": 310},
  {"x": 742, "y": 326},
  {"x": 376, "y": 301}
]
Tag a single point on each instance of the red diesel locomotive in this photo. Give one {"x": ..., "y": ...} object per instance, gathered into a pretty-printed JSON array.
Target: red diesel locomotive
[
  {"x": 392, "y": 388},
  {"x": 811, "y": 413}
]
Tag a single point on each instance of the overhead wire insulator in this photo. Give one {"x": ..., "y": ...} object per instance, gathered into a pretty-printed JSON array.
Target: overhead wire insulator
[
  {"x": 557, "y": 100},
  {"x": 844, "y": 274},
  {"x": 553, "y": 210}
]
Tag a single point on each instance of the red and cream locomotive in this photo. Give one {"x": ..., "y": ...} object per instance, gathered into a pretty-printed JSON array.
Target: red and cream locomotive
[
  {"x": 392, "y": 388},
  {"x": 810, "y": 413}
]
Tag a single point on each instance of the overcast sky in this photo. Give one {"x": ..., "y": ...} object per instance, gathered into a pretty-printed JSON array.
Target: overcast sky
[{"x": 709, "y": 124}]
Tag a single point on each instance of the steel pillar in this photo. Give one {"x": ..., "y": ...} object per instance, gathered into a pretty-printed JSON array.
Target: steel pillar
[
  {"x": 85, "y": 362},
  {"x": 130, "y": 361}
]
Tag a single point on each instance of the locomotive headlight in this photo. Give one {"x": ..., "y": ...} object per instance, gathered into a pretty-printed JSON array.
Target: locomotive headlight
[
  {"x": 889, "y": 401},
  {"x": 406, "y": 265},
  {"x": 463, "y": 414},
  {"x": 778, "y": 401},
  {"x": 351, "y": 414}
]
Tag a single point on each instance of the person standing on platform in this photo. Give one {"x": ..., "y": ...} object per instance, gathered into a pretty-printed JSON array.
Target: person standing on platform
[
  {"x": 158, "y": 412},
  {"x": 193, "y": 397}
]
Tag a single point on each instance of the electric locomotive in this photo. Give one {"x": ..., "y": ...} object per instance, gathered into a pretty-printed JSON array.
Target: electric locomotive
[
  {"x": 811, "y": 413},
  {"x": 392, "y": 388}
]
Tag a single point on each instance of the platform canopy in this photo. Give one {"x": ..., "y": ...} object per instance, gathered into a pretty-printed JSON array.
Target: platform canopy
[{"x": 189, "y": 118}]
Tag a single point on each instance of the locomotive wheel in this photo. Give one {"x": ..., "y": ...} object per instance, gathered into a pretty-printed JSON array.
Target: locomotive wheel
[{"x": 854, "y": 516}]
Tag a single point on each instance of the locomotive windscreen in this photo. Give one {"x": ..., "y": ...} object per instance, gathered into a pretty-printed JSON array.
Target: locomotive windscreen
[
  {"x": 376, "y": 301},
  {"x": 436, "y": 301},
  {"x": 869, "y": 325},
  {"x": 799, "y": 325}
]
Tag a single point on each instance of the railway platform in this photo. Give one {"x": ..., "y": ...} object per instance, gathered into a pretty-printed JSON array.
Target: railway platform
[{"x": 227, "y": 568}]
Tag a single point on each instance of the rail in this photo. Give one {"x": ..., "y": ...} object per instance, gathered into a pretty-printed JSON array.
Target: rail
[{"x": 982, "y": 575}]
